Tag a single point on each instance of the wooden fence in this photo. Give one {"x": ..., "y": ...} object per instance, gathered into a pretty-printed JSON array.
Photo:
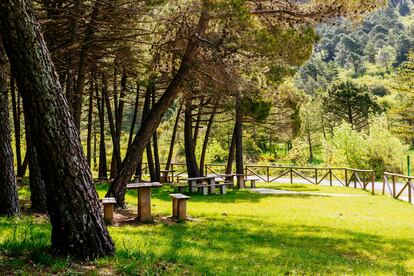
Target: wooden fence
[
  {"x": 394, "y": 189},
  {"x": 364, "y": 179}
]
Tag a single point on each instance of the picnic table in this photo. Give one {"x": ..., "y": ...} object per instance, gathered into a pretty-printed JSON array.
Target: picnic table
[
  {"x": 192, "y": 182},
  {"x": 144, "y": 199},
  {"x": 165, "y": 175}
]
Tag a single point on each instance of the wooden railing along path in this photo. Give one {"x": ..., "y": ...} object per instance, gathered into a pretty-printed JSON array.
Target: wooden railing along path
[{"x": 395, "y": 190}]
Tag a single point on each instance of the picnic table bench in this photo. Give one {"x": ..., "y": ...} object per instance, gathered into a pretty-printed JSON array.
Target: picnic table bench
[
  {"x": 108, "y": 204},
  {"x": 144, "y": 199},
  {"x": 166, "y": 177},
  {"x": 208, "y": 185},
  {"x": 252, "y": 181}
]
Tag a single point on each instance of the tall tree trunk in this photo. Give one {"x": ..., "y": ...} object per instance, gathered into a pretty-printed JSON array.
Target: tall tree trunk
[
  {"x": 232, "y": 148},
  {"x": 102, "y": 171},
  {"x": 147, "y": 107},
  {"x": 239, "y": 140},
  {"x": 134, "y": 117},
  {"x": 8, "y": 187},
  {"x": 83, "y": 64},
  {"x": 16, "y": 121},
  {"x": 157, "y": 165},
  {"x": 90, "y": 117},
  {"x": 78, "y": 227},
  {"x": 205, "y": 143},
  {"x": 115, "y": 141},
  {"x": 190, "y": 157},
  {"x": 149, "y": 125},
  {"x": 174, "y": 134},
  {"x": 310, "y": 145},
  {"x": 37, "y": 185},
  {"x": 198, "y": 120}
]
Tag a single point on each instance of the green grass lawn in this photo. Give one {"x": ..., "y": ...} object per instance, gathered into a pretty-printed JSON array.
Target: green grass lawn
[{"x": 238, "y": 233}]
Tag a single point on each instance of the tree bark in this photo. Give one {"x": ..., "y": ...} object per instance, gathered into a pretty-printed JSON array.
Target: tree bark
[
  {"x": 205, "y": 142},
  {"x": 198, "y": 120},
  {"x": 134, "y": 117},
  {"x": 83, "y": 64},
  {"x": 190, "y": 157},
  {"x": 78, "y": 227},
  {"x": 149, "y": 125},
  {"x": 102, "y": 170},
  {"x": 8, "y": 187},
  {"x": 239, "y": 140},
  {"x": 115, "y": 141},
  {"x": 230, "y": 158},
  {"x": 16, "y": 121},
  {"x": 90, "y": 117},
  {"x": 37, "y": 185},
  {"x": 157, "y": 165},
  {"x": 147, "y": 107},
  {"x": 174, "y": 134}
]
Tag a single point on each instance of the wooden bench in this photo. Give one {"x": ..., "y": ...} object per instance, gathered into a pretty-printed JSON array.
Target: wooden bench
[
  {"x": 223, "y": 187},
  {"x": 252, "y": 181},
  {"x": 108, "y": 204},
  {"x": 181, "y": 187},
  {"x": 179, "y": 206}
]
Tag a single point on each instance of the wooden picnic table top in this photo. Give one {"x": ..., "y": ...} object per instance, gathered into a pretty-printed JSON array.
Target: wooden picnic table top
[
  {"x": 168, "y": 170},
  {"x": 144, "y": 185},
  {"x": 200, "y": 178},
  {"x": 226, "y": 175}
]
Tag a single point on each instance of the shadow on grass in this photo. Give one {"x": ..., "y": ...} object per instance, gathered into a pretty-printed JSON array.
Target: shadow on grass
[{"x": 242, "y": 246}]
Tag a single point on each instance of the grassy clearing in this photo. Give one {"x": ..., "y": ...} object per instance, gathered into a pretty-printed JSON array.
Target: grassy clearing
[{"x": 240, "y": 233}]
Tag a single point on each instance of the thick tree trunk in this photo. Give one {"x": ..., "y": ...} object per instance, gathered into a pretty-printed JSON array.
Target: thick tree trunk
[
  {"x": 174, "y": 134},
  {"x": 190, "y": 157},
  {"x": 78, "y": 227},
  {"x": 37, "y": 185},
  {"x": 8, "y": 188},
  {"x": 151, "y": 122},
  {"x": 205, "y": 143},
  {"x": 239, "y": 140}
]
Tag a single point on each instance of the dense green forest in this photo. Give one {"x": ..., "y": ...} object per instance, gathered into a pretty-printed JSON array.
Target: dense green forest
[{"x": 349, "y": 105}]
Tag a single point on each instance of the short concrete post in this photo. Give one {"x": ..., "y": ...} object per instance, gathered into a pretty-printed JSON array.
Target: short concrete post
[
  {"x": 253, "y": 183},
  {"x": 223, "y": 189},
  {"x": 193, "y": 186},
  {"x": 108, "y": 204},
  {"x": 144, "y": 205},
  {"x": 212, "y": 186},
  {"x": 179, "y": 205}
]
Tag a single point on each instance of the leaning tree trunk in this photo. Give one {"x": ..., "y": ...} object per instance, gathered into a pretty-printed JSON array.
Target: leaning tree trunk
[
  {"x": 151, "y": 122},
  {"x": 198, "y": 121},
  {"x": 8, "y": 188},
  {"x": 37, "y": 185},
  {"x": 174, "y": 134},
  {"x": 205, "y": 143},
  {"x": 78, "y": 227},
  {"x": 147, "y": 107},
  {"x": 190, "y": 157}
]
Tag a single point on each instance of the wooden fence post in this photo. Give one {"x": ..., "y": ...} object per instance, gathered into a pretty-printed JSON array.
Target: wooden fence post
[
  {"x": 268, "y": 173},
  {"x": 346, "y": 178},
  {"x": 393, "y": 187},
  {"x": 373, "y": 183},
  {"x": 330, "y": 177},
  {"x": 316, "y": 176},
  {"x": 291, "y": 176}
]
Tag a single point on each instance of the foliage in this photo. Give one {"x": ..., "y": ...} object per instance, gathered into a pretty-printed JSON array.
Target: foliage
[
  {"x": 349, "y": 102},
  {"x": 379, "y": 150}
]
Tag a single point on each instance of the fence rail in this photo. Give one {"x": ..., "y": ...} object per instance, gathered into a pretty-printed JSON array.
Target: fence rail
[{"x": 394, "y": 190}]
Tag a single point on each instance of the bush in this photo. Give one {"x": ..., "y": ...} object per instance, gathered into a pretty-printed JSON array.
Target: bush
[{"x": 379, "y": 150}]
